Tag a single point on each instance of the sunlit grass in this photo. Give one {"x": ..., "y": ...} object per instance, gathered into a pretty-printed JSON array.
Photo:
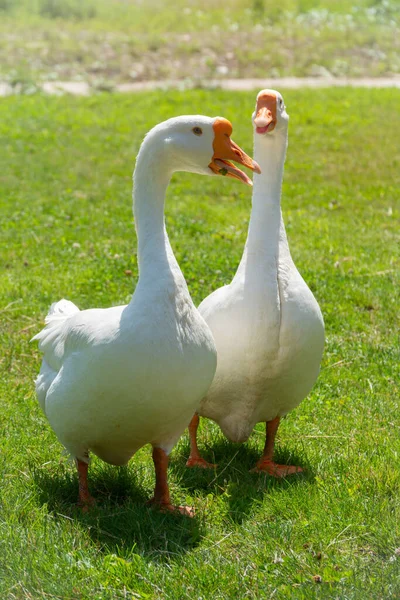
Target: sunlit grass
[{"x": 66, "y": 231}]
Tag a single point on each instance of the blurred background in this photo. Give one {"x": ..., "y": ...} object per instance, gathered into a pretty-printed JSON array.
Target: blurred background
[{"x": 106, "y": 43}]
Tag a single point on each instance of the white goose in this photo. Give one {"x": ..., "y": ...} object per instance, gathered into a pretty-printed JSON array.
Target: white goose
[
  {"x": 113, "y": 380},
  {"x": 267, "y": 325}
]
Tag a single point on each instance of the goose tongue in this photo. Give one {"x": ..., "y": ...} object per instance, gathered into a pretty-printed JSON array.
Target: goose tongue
[
  {"x": 262, "y": 129},
  {"x": 227, "y": 169}
]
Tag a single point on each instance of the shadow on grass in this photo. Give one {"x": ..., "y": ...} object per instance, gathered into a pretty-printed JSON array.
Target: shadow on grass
[
  {"x": 233, "y": 478},
  {"x": 120, "y": 521}
]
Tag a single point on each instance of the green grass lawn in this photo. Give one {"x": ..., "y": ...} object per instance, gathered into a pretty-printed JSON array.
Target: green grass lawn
[
  {"x": 66, "y": 231},
  {"x": 105, "y": 42}
]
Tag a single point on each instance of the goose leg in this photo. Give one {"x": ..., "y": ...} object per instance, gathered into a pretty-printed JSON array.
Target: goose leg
[
  {"x": 161, "y": 496},
  {"x": 266, "y": 463},
  {"x": 195, "y": 459},
  {"x": 85, "y": 499}
]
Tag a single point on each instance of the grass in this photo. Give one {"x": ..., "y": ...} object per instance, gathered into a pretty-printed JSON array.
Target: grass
[
  {"x": 106, "y": 42},
  {"x": 66, "y": 231}
]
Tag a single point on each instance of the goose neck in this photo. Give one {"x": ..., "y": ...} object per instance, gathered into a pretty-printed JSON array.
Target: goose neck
[
  {"x": 151, "y": 179},
  {"x": 265, "y": 220}
]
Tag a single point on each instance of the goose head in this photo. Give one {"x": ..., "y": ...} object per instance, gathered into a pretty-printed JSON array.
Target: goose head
[
  {"x": 270, "y": 116},
  {"x": 199, "y": 144}
]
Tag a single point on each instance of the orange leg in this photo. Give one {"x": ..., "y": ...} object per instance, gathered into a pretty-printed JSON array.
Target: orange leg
[
  {"x": 161, "y": 491},
  {"x": 266, "y": 463},
  {"x": 195, "y": 459},
  {"x": 85, "y": 499}
]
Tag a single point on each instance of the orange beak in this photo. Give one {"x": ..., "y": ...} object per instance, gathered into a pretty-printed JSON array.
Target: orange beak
[
  {"x": 265, "y": 119},
  {"x": 226, "y": 150}
]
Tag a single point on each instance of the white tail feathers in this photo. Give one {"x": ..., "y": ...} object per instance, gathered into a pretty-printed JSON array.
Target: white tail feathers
[{"x": 59, "y": 312}]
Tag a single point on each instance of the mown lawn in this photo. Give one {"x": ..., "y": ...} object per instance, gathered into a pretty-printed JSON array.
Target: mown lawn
[
  {"x": 66, "y": 231},
  {"x": 106, "y": 42}
]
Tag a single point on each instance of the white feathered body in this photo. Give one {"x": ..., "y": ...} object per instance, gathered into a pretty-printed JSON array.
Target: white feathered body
[
  {"x": 268, "y": 359},
  {"x": 113, "y": 380}
]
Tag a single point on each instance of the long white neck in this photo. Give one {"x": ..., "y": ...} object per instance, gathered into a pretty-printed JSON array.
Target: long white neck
[
  {"x": 266, "y": 237},
  {"x": 155, "y": 256}
]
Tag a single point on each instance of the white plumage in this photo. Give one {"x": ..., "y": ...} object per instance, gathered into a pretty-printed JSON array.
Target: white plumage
[{"x": 266, "y": 324}]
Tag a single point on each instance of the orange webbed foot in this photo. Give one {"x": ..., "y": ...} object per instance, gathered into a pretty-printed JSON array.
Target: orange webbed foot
[
  {"x": 199, "y": 462},
  {"x": 272, "y": 468}
]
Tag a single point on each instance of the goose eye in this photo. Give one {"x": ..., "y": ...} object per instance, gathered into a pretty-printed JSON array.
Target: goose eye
[
  {"x": 280, "y": 102},
  {"x": 197, "y": 131}
]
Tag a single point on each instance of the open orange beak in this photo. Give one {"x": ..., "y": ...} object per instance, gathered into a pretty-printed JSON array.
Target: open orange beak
[
  {"x": 226, "y": 150},
  {"x": 265, "y": 119}
]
